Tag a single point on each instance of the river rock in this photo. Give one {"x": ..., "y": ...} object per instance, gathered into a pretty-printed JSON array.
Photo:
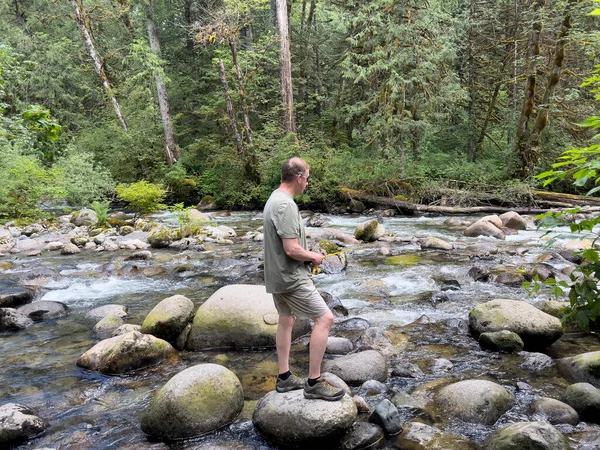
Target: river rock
[
  {"x": 44, "y": 310},
  {"x": 160, "y": 237},
  {"x": 196, "y": 401},
  {"x": 18, "y": 423},
  {"x": 435, "y": 243},
  {"x": 292, "y": 420},
  {"x": 554, "y": 308},
  {"x": 238, "y": 316},
  {"x": 70, "y": 249},
  {"x": 126, "y": 328},
  {"x": 169, "y": 318},
  {"x": 84, "y": 217},
  {"x": 14, "y": 297},
  {"x": 484, "y": 228},
  {"x": 585, "y": 399},
  {"x": 7, "y": 241},
  {"x": 197, "y": 216},
  {"x": 527, "y": 436},
  {"x": 513, "y": 220},
  {"x": 369, "y": 231},
  {"x": 536, "y": 362},
  {"x": 387, "y": 417},
  {"x": 476, "y": 401},
  {"x": 331, "y": 233},
  {"x": 503, "y": 340},
  {"x": 106, "y": 327},
  {"x": 126, "y": 352},
  {"x": 12, "y": 320},
  {"x": 537, "y": 329},
  {"x": 339, "y": 346},
  {"x": 420, "y": 436},
  {"x": 584, "y": 367},
  {"x": 407, "y": 370},
  {"x": 38, "y": 277},
  {"x": 357, "y": 368},
  {"x": 317, "y": 220},
  {"x": 101, "y": 312},
  {"x": 333, "y": 264},
  {"x": 362, "y": 436},
  {"x": 553, "y": 411}
]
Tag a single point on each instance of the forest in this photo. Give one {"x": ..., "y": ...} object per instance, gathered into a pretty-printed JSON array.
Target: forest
[{"x": 206, "y": 98}]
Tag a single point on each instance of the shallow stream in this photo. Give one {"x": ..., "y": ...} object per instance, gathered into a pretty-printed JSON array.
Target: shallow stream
[{"x": 87, "y": 410}]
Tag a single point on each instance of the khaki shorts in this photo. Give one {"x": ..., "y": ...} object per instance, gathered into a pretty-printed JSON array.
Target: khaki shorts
[{"x": 303, "y": 302}]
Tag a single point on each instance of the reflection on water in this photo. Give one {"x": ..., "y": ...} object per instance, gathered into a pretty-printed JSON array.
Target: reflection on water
[{"x": 90, "y": 410}]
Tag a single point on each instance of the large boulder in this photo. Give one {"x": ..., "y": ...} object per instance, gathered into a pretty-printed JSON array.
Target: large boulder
[
  {"x": 527, "y": 436},
  {"x": 369, "y": 231},
  {"x": 18, "y": 423},
  {"x": 357, "y": 368},
  {"x": 486, "y": 226},
  {"x": 553, "y": 411},
  {"x": 584, "y": 367},
  {"x": 160, "y": 237},
  {"x": 44, "y": 310},
  {"x": 290, "y": 419},
  {"x": 126, "y": 352},
  {"x": 476, "y": 401},
  {"x": 585, "y": 399},
  {"x": 537, "y": 329},
  {"x": 238, "y": 316},
  {"x": 196, "y": 401},
  {"x": 12, "y": 320},
  {"x": 169, "y": 318},
  {"x": 513, "y": 220},
  {"x": 85, "y": 217}
]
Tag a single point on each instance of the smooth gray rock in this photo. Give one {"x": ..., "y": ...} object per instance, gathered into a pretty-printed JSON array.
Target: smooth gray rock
[
  {"x": 44, "y": 310},
  {"x": 476, "y": 401},
  {"x": 372, "y": 387},
  {"x": 339, "y": 346},
  {"x": 387, "y": 417},
  {"x": 196, "y": 401},
  {"x": 290, "y": 419},
  {"x": 18, "y": 423},
  {"x": 503, "y": 340},
  {"x": 169, "y": 318},
  {"x": 553, "y": 411},
  {"x": 14, "y": 297},
  {"x": 357, "y": 368},
  {"x": 101, "y": 312},
  {"x": 585, "y": 399},
  {"x": 584, "y": 367},
  {"x": 407, "y": 370},
  {"x": 536, "y": 362},
  {"x": 12, "y": 320},
  {"x": 106, "y": 327},
  {"x": 362, "y": 436},
  {"x": 420, "y": 436},
  {"x": 527, "y": 436},
  {"x": 537, "y": 329}
]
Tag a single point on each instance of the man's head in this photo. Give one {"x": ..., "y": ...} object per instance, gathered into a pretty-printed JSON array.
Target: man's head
[{"x": 295, "y": 173}]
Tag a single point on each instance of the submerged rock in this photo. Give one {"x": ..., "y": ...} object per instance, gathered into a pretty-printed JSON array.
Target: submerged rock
[
  {"x": 362, "y": 436},
  {"x": 537, "y": 329},
  {"x": 420, "y": 436},
  {"x": 476, "y": 401},
  {"x": 126, "y": 352},
  {"x": 525, "y": 436},
  {"x": 290, "y": 419},
  {"x": 194, "y": 402},
  {"x": 18, "y": 423}
]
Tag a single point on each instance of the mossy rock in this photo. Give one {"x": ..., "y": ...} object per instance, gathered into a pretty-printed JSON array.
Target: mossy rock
[
  {"x": 403, "y": 260},
  {"x": 328, "y": 247},
  {"x": 369, "y": 231},
  {"x": 169, "y": 318}
]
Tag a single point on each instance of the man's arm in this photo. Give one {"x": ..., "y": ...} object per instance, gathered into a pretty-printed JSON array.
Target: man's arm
[{"x": 294, "y": 250}]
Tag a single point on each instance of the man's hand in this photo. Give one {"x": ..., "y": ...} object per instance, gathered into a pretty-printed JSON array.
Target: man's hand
[
  {"x": 293, "y": 249},
  {"x": 317, "y": 259}
]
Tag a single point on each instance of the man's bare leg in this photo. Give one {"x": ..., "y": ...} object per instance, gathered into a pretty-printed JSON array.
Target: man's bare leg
[
  {"x": 318, "y": 343},
  {"x": 283, "y": 342}
]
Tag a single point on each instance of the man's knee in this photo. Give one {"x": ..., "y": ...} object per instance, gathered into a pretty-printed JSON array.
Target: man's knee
[{"x": 326, "y": 320}]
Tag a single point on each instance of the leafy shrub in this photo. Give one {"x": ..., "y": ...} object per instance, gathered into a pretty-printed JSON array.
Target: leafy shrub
[
  {"x": 143, "y": 197},
  {"x": 101, "y": 209}
]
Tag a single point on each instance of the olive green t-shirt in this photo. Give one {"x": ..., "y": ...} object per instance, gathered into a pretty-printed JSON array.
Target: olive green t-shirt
[{"x": 282, "y": 221}]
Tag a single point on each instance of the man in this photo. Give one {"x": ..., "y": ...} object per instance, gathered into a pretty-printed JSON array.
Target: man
[{"x": 287, "y": 277}]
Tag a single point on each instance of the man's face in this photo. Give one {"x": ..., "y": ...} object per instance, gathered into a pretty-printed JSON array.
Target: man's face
[{"x": 302, "y": 179}]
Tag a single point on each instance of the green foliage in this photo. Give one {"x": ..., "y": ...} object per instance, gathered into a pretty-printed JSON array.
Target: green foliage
[
  {"x": 83, "y": 179},
  {"x": 181, "y": 187},
  {"x": 101, "y": 209},
  {"x": 188, "y": 226},
  {"x": 142, "y": 196}
]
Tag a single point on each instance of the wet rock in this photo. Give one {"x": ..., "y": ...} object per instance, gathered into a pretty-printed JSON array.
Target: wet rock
[
  {"x": 508, "y": 276},
  {"x": 450, "y": 285},
  {"x": 513, "y": 220},
  {"x": 141, "y": 255},
  {"x": 456, "y": 222},
  {"x": 334, "y": 304},
  {"x": 70, "y": 249},
  {"x": 584, "y": 367},
  {"x": 372, "y": 387},
  {"x": 527, "y": 435},
  {"x": 537, "y": 329},
  {"x": 160, "y": 237},
  {"x": 339, "y": 346},
  {"x": 357, "y": 368},
  {"x": 362, "y": 436},
  {"x": 486, "y": 226},
  {"x": 482, "y": 248},
  {"x": 420, "y": 436},
  {"x": 234, "y": 317},
  {"x": 331, "y": 233},
  {"x": 44, "y": 310},
  {"x": 79, "y": 241},
  {"x": 387, "y": 417},
  {"x": 333, "y": 264},
  {"x": 369, "y": 231},
  {"x": 373, "y": 287},
  {"x": 554, "y": 308},
  {"x": 435, "y": 243},
  {"x": 13, "y": 297},
  {"x": 441, "y": 365},
  {"x": 361, "y": 405},
  {"x": 106, "y": 327},
  {"x": 407, "y": 370},
  {"x": 585, "y": 399},
  {"x": 121, "y": 354},
  {"x": 125, "y": 230},
  {"x": 38, "y": 277},
  {"x": 553, "y": 411},
  {"x": 285, "y": 417},
  {"x": 101, "y": 312},
  {"x": 374, "y": 338},
  {"x": 7, "y": 241},
  {"x": 536, "y": 362},
  {"x": 479, "y": 273},
  {"x": 169, "y": 318},
  {"x": 84, "y": 217},
  {"x": 126, "y": 328},
  {"x": 12, "y": 320},
  {"x": 408, "y": 406},
  {"x": 438, "y": 297},
  {"x": 504, "y": 341},
  {"x": 18, "y": 423},
  {"x": 196, "y": 401},
  {"x": 35, "y": 228},
  {"x": 476, "y": 401},
  {"x": 317, "y": 220}
]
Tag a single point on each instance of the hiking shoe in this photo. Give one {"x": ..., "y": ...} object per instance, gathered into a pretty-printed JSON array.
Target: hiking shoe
[
  {"x": 291, "y": 383},
  {"x": 323, "y": 390}
]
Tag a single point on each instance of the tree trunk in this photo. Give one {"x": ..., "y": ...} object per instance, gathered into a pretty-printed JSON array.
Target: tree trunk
[
  {"x": 239, "y": 143},
  {"x": 242, "y": 92},
  {"x": 522, "y": 149},
  {"x": 471, "y": 145},
  {"x": 287, "y": 96},
  {"x": 172, "y": 151},
  {"x": 85, "y": 28}
]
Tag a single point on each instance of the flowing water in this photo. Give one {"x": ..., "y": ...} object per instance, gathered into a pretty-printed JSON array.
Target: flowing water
[{"x": 87, "y": 410}]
